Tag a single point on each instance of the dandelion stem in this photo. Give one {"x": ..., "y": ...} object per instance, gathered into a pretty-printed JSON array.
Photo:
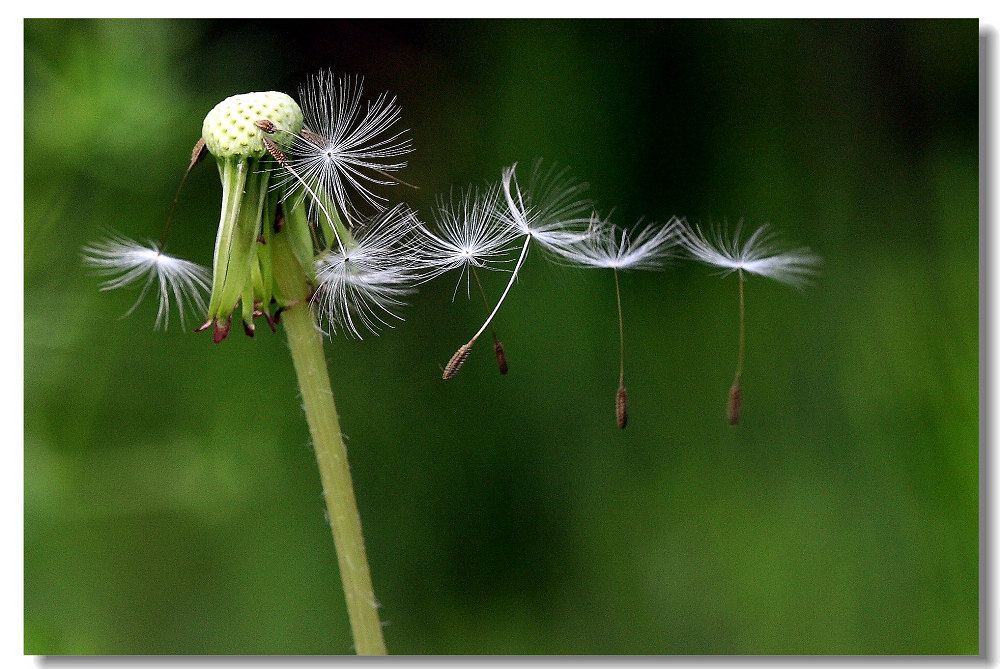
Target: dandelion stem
[
  {"x": 306, "y": 345},
  {"x": 621, "y": 398}
]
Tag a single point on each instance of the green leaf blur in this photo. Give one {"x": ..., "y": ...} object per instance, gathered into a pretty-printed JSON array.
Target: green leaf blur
[{"x": 172, "y": 502}]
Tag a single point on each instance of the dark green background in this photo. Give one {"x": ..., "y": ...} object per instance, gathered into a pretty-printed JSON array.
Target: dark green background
[{"x": 172, "y": 504}]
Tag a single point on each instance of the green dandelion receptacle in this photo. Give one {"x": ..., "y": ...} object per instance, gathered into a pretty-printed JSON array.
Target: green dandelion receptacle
[
  {"x": 229, "y": 130},
  {"x": 242, "y": 273}
]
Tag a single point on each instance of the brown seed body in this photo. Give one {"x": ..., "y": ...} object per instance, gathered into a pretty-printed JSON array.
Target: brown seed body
[
  {"x": 456, "y": 361},
  {"x": 313, "y": 137},
  {"x": 276, "y": 153},
  {"x": 621, "y": 407},
  {"x": 265, "y": 125},
  {"x": 198, "y": 153},
  {"x": 501, "y": 356},
  {"x": 735, "y": 405}
]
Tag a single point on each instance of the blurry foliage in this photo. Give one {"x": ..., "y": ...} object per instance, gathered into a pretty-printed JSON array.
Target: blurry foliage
[{"x": 172, "y": 504}]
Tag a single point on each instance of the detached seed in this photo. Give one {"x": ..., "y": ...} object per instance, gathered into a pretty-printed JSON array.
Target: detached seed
[
  {"x": 501, "y": 355},
  {"x": 735, "y": 404},
  {"x": 456, "y": 361},
  {"x": 621, "y": 407}
]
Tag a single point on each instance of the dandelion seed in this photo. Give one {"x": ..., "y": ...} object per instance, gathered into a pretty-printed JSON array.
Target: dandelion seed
[
  {"x": 501, "y": 355},
  {"x": 126, "y": 262},
  {"x": 734, "y": 406},
  {"x": 456, "y": 361},
  {"x": 762, "y": 254},
  {"x": 470, "y": 236},
  {"x": 549, "y": 212},
  {"x": 342, "y": 149},
  {"x": 360, "y": 286},
  {"x": 621, "y": 406},
  {"x": 609, "y": 247}
]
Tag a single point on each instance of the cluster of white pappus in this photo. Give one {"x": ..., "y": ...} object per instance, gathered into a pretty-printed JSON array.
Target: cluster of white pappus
[{"x": 368, "y": 254}]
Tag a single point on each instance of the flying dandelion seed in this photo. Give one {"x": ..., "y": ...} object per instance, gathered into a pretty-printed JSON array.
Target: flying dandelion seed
[
  {"x": 470, "y": 237},
  {"x": 549, "y": 212},
  {"x": 609, "y": 247},
  {"x": 762, "y": 254}
]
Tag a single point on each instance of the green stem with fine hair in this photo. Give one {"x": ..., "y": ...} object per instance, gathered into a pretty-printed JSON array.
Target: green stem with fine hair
[{"x": 306, "y": 344}]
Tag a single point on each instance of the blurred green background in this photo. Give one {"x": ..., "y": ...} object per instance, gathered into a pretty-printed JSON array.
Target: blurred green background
[{"x": 171, "y": 499}]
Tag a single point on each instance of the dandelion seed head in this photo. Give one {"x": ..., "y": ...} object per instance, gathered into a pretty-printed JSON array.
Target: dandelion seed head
[
  {"x": 125, "y": 262},
  {"x": 761, "y": 253},
  {"x": 230, "y": 129}
]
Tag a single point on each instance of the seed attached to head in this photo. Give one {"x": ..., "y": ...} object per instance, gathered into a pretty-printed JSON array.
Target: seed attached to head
[
  {"x": 451, "y": 369},
  {"x": 315, "y": 138},
  {"x": 198, "y": 153},
  {"x": 621, "y": 407},
  {"x": 276, "y": 153},
  {"x": 735, "y": 403},
  {"x": 265, "y": 125}
]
